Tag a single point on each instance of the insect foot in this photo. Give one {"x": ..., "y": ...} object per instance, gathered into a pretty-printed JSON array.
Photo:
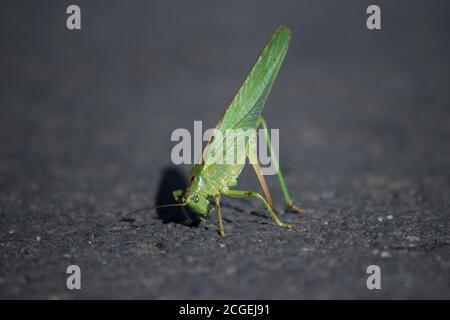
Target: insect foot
[
  {"x": 293, "y": 208},
  {"x": 287, "y": 225}
]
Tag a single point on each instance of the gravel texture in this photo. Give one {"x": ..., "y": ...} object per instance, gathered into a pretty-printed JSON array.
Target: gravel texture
[{"x": 85, "y": 124}]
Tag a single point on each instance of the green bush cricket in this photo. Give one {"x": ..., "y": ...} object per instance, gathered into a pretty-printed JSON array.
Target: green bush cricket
[{"x": 210, "y": 180}]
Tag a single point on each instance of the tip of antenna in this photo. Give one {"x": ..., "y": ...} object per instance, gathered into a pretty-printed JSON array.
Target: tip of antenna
[{"x": 153, "y": 207}]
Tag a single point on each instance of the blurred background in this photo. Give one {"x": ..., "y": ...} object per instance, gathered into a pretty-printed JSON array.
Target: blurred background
[{"x": 85, "y": 124}]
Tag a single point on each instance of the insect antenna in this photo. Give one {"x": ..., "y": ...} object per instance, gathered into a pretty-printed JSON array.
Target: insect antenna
[
  {"x": 171, "y": 205},
  {"x": 154, "y": 207}
]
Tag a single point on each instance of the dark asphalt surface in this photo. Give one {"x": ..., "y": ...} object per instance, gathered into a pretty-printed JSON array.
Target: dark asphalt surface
[{"x": 85, "y": 124}]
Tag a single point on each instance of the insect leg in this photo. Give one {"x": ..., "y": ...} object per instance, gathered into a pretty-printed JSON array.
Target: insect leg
[
  {"x": 262, "y": 182},
  {"x": 219, "y": 216},
  {"x": 287, "y": 198},
  {"x": 177, "y": 196},
  {"x": 256, "y": 195}
]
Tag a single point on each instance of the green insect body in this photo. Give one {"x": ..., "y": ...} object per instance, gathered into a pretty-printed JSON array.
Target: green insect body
[{"x": 210, "y": 180}]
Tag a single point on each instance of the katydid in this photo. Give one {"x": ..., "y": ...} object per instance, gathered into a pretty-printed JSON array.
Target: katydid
[{"x": 209, "y": 181}]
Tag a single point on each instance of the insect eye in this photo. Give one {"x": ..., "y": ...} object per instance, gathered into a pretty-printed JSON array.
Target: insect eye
[{"x": 196, "y": 198}]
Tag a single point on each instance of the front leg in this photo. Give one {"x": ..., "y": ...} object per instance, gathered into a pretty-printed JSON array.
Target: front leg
[
  {"x": 177, "y": 195},
  {"x": 219, "y": 216}
]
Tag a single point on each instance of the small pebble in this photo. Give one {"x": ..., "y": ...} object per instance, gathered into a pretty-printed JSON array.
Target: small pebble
[
  {"x": 327, "y": 194},
  {"x": 380, "y": 219},
  {"x": 230, "y": 270},
  {"x": 385, "y": 254},
  {"x": 38, "y": 239},
  {"x": 390, "y": 217},
  {"x": 11, "y": 231}
]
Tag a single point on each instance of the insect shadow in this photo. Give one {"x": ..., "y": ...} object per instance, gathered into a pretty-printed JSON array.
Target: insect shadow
[{"x": 173, "y": 179}]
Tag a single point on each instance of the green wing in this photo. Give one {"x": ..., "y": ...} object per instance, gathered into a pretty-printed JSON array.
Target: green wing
[{"x": 248, "y": 103}]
